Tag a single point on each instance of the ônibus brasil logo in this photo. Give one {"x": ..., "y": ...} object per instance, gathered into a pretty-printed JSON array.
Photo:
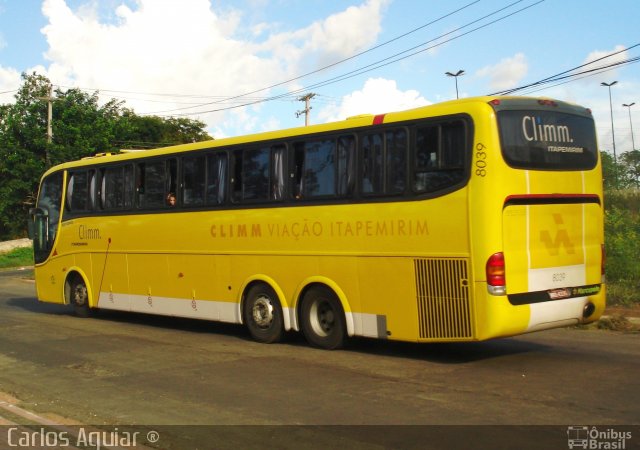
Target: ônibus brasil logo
[{"x": 593, "y": 438}]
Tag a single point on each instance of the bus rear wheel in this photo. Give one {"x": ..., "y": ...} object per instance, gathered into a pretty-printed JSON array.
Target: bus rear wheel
[
  {"x": 323, "y": 321},
  {"x": 263, "y": 314},
  {"x": 79, "y": 297}
]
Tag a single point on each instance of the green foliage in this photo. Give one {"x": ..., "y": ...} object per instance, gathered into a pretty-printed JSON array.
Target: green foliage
[
  {"x": 631, "y": 168},
  {"x": 17, "y": 258},
  {"x": 81, "y": 127},
  {"x": 623, "y": 175},
  {"x": 152, "y": 130},
  {"x": 622, "y": 242}
]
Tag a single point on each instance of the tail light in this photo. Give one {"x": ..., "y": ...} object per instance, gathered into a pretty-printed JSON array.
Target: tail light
[
  {"x": 603, "y": 261},
  {"x": 495, "y": 271}
]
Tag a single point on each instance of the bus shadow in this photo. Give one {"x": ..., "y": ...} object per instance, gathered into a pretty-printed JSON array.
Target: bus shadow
[
  {"x": 445, "y": 353},
  {"x": 32, "y": 305}
]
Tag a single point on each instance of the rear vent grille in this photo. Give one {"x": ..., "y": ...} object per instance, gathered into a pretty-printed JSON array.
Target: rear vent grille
[{"x": 442, "y": 288}]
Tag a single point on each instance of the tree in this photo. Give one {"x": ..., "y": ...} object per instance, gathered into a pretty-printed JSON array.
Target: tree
[
  {"x": 631, "y": 168},
  {"x": 23, "y": 153},
  {"x": 149, "y": 131}
]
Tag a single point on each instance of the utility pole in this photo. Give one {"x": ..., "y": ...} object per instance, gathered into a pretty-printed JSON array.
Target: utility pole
[
  {"x": 49, "y": 99},
  {"x": 306, "y": 99}
]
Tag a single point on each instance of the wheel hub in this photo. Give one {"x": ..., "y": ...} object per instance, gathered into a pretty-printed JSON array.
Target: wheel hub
[
  {"x": 80, "y": 295},
  {"x": 262, "y": 312},
  {"x": 322, "y": 317}
]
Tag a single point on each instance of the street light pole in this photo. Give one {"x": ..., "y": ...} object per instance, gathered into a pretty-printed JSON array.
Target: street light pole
[
  {"x": 613, "y": 136},
  {"x": 633, "y": 142},
  {"x": 455, "y": 75}
]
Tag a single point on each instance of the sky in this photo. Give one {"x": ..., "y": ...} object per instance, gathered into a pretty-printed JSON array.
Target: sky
[{"x": 242, "y": 66}]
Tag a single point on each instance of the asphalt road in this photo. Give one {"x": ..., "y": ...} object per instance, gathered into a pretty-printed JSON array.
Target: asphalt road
[{"x": 200, "y": 380}]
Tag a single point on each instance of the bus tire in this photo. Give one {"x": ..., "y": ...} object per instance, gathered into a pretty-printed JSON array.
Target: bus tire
[
  {"x": 79, "y": 297},
  {"x": 263, "y": 314},
  {"x": 322, "y": 318}
]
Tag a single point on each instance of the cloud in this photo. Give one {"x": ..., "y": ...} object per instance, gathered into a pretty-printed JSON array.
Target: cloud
[
  {"x": 9, "y": 81},
  {"x": 378, "y": 95},
  {"x": 325, "y": 41},
  {"x": 189, "y": 47},
  {"x": 505, "y": 74},
  {"x": 596, "y": 55},
  {"x": 345, "y": 33}
]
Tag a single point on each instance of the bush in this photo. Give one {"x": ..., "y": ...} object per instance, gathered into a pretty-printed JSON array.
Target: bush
[{"x": 622, "y": 243}]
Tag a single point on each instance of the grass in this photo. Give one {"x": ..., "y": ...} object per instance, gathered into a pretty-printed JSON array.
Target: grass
[
  {"x": 620, "y": 293},
  {"x": 16, "y": 258}
]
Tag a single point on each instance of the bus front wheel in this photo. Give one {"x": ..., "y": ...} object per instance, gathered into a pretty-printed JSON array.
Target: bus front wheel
[
  {"x": 323, "y": 321},
  {"x": 263, "y": 314},
  {"x": 79, "y": 297}
]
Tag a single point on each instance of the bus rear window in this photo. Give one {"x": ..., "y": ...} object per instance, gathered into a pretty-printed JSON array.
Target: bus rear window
[{"x": 547, "y": 140}]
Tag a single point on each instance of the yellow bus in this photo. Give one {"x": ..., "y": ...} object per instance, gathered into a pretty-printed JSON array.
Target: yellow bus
[{"x": 461, "y": 221}]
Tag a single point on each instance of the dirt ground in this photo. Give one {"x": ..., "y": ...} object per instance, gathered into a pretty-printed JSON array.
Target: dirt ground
[{"x": 627, "y": 311}]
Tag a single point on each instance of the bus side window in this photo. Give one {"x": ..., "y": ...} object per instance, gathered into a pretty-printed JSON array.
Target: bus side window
[
  {"x": 92, "y": 187},
  {"x": 453, "y": 145},
  {"x": 140, "y": 184},
  {"x": 426, "y": 158},
  {"x": 193, "y": 180},
  {"x": 255, "y": 173},
  {"x": 396, "y": 161},
  {"x": 236, "y": 179},
  {"x": 314, "y": 169},
  {"x": 129, "y": 183},
  {"x": 439, "y": 157},
  {"x": 372, "y": 164},
  {"x": 216, "y": 178},
  {"x": 69, "y": 193},
  {"x": 297, "y": 170},
  {"x": 171, "y": 182},
  {"x": 113, "y": 188},
  {"x": 101, "y": 188},
  {"x": 78, "y": 191},
  {"x": 154, "y": 184},
  {"x": 277, "y": 172},
  {"x": 346, "y": 165}
]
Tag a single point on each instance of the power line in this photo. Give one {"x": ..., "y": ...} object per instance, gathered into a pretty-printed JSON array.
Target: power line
[
  {"x": 222, "y": 99},
  {"x": 576, "y": 77},
  {"x": 385, "y": 61},
  {"x": 291, "y": 96},
  {"x": 558, "y": 76}
]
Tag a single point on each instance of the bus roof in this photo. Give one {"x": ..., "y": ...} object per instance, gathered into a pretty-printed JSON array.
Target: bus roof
[{"x": 456, "y": 106}]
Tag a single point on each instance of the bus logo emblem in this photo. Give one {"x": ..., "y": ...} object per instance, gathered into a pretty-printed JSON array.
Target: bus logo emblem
[{"x": 560, "y": 239}]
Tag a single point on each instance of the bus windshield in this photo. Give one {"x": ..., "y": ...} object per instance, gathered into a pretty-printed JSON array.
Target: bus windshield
[
  {"x": 45, "y": 217},
  {"x": 547, "y": 140}
]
